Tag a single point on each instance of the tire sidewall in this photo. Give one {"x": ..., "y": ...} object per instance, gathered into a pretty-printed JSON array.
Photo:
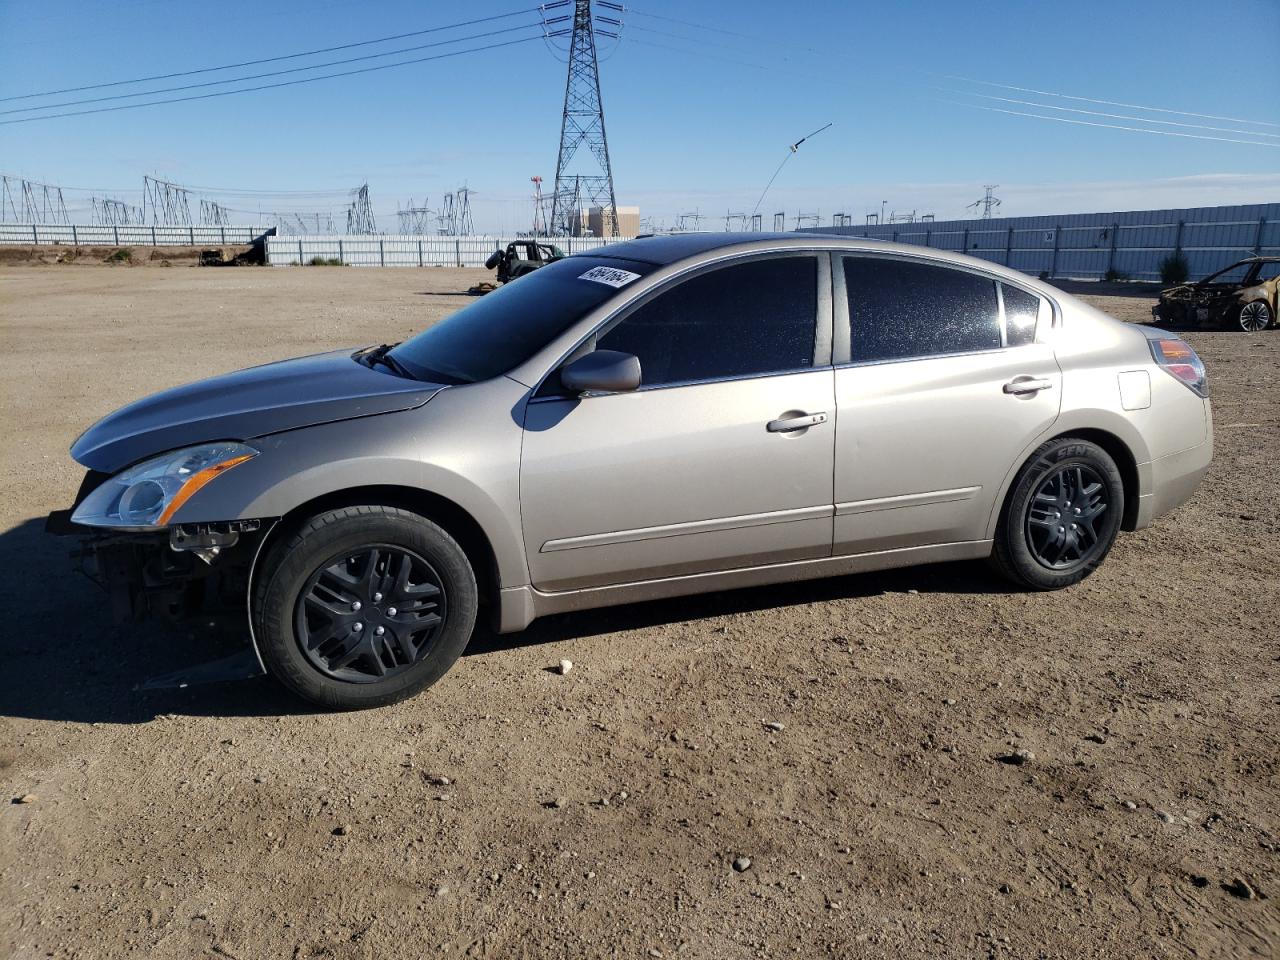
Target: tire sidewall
[
  {"x": 294, "y": 560},
  {"x": 1012, "y": 538}
]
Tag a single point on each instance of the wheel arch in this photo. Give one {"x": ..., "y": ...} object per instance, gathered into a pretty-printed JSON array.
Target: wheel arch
[
  {"x": 452, "y": 517},
  {"x": 1116, "y": 448}
]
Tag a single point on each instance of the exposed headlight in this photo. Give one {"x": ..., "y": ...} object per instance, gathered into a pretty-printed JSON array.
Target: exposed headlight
[{"x": 149, "y": 494}]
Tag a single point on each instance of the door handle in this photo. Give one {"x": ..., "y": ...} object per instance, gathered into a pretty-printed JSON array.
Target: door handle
[
  {"x": 802, "y": 422},
  {"x": 1024, "y": 385}
]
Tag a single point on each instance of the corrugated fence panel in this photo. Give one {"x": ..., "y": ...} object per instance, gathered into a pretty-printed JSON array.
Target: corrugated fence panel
[
  {"x": 41, "y": 234},
  {"x": 1088, "y": 245}
]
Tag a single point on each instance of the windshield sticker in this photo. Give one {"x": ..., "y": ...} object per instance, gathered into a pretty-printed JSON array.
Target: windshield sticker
[{"x": 610, "y": 276}]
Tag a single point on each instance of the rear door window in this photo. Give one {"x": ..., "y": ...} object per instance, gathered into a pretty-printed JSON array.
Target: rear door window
[
  {"x": 1021, "y": 311},
  {"x": 904, "y": 309}
]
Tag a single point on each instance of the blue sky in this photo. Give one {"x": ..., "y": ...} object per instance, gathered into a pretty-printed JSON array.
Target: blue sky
[{"x": 699, "y": 113}]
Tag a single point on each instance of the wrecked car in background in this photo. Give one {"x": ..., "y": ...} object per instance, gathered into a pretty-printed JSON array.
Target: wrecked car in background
[
  {"x": 521, "y": 257},
  {"x": 1241, "y": 297}
]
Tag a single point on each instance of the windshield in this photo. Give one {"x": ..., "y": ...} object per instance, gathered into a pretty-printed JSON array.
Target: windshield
[
  {"x": 506, "y": 327},
  {"x": 1233, "y": 274}
]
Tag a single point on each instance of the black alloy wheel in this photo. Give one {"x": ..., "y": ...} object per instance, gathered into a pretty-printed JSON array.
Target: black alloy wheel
[
  {"x": 1061, "y": 515},
  {"x": 362, "y": 606},
  {"x": 370, "y": 614},
  {"x": 1064, "y": 517}
]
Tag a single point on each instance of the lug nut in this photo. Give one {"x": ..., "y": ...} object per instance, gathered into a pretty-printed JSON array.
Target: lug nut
[
  {"x": 391, "y": 611},
  {"x": 355, "y": 604},
  {"x": 377, "y": 597},
  {"x": 358, "y": 627},
  {"x": 379, "y": 630}
]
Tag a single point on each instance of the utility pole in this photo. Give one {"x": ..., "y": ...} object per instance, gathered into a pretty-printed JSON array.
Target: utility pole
[{"x": 582, "y": 124}]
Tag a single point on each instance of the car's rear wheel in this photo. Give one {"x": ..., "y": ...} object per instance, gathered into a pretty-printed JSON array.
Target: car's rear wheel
[
  {"x": 1254, "y": 316},
  {"x": 1061, "y": 516},
  {"x": 363, "y": 606}
]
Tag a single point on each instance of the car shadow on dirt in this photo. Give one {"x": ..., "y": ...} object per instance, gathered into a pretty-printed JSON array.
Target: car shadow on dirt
[{"x": 66, "y": 661}]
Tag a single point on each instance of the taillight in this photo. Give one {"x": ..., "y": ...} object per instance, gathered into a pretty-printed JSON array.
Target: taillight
[{"x": 1176, "y": 356}]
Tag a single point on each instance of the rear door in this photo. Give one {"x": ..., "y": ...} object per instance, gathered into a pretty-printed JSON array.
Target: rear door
[
  {"x": 710, "y": 465},
  {"x": 941, "y": 382}
]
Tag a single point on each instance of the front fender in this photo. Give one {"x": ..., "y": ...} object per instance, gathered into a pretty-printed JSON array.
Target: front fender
[{"x": 465, "y": 449}]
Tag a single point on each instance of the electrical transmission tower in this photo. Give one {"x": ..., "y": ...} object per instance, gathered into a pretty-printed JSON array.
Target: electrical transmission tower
[
  {"x": 539, "y": 212},
  {"x": 463, "y": 206},
  {"x": 779, "y": 221},
  {"x": 582, "y": 124},
  {"x": 757, "y": 222},
  {"x": 415, "y": 221},
  {"x": 684, "y": 220},
  {"x": 987, "y": 204},
  {"x": 165, "y": 203},
  {"x": 812, "y": 219},
  {"x": 116, "y": 213},
  {"x": 213, "y": 214},
  {"x": 27, "y": 201},
  {"x": 447, "y": 218},
  {"x": 360, "y": 213}
]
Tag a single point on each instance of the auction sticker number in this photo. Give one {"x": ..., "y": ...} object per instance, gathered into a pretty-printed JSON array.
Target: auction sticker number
[{"x": 610, "y": 275}]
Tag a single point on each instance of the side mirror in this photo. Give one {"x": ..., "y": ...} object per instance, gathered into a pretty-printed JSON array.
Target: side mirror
[{"x": 602, "y": 371}]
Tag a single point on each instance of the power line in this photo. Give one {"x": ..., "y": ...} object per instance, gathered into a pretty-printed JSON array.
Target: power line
[
  {"x": 1111, "y": 126},
  {"x": 1113, "y": 103},
  {"x": 276, "y": 59},
  {"x": 272, "y": 86},
  {"x": 1111, "y": 116},
  {"x": 271, "y": 73}
]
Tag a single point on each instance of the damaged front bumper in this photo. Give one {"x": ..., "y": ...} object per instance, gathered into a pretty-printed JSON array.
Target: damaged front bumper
[{"x": 169, "y": 573}]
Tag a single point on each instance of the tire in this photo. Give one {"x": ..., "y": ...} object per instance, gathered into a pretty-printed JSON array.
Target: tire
[
  {"x": 1035, "y": 545},
  {"x": 1254, "y": 317},
  {"x": 322, "y": 633}
]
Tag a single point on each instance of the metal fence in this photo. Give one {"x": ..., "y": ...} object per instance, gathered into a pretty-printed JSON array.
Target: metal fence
[
  {"x": 95, "y": 235},
  {"x": 1089, "y": 246},
  {"x": 405, "y": 251}
]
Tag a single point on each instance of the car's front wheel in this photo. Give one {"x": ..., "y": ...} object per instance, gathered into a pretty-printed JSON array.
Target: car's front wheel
[
  {"x": 363, "y": 606},
  {"x": 1061, "y": 516},
  {"x": 1254, "y": 316}
]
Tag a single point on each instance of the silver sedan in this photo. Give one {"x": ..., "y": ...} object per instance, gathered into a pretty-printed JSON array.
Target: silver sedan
[{"x": 667, "y": 416}]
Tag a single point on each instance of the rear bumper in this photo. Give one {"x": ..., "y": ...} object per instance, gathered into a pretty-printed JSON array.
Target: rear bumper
[{"x": 1170, "y": 481}]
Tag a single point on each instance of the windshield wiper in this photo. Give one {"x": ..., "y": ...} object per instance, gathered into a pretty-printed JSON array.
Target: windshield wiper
[{"x": 383, "y": 356}]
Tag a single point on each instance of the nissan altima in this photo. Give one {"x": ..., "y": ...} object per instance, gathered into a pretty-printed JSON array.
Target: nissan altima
[{"x": 664, "y": 416}]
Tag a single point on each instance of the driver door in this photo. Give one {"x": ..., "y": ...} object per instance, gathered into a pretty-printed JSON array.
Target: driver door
[{"x": 705, "y": 467}]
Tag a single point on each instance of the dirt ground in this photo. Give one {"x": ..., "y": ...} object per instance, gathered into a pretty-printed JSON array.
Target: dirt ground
[{"x": 228, "y": 820}]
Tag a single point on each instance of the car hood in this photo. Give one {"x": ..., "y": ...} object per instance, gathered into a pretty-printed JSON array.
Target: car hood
[{"x": 246, "y": 404}]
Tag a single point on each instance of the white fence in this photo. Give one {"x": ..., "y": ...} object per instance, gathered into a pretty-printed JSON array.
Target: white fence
[
  {"x": 95, "y": 235},
  {"x": 406, "y": 251}
]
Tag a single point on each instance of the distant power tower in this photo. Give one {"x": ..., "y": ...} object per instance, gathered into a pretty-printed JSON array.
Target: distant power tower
[
  {"x": 780, "y": 221},
  {"x": 165, "y": 203},
  {"x": 684, "y": 220},
  {"x": 841, "y": 220},
  {"x": 582, "y": 124},
  {"x": 539, "y": 212},
  {"x": 116, "y": 213},
  {"x": 414, "y": 220},
  {"x": 213, "y": 214},
  {"x": 27, "y": 201},
  {"x": 360, "y": 213},
  {"x": 738, "y": 220},
  {"x": 757, "y": 222},
  {"x": 446, "y": 219},
  {"x": 987, "y": 204},
  {"x": 807, "y": 219},
  {"x": 463, "y": 207}
]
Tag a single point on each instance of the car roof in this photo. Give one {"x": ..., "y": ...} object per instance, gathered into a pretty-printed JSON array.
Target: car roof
[{"x": 664, "y": 249}]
